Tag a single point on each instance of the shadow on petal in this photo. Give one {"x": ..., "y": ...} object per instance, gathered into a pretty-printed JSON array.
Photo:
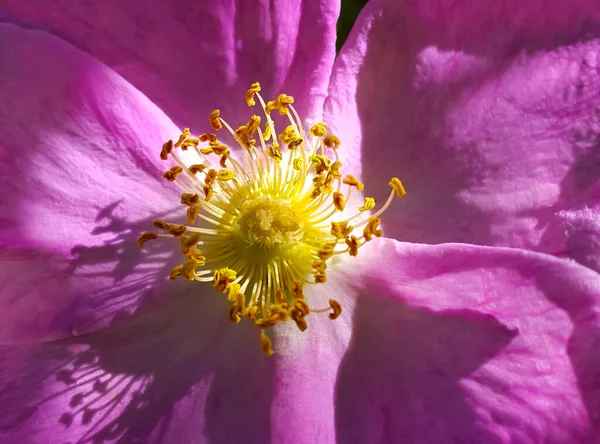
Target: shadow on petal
[
  {"x": 400, "y": 380},
  {"x": 176, "y": 370}
]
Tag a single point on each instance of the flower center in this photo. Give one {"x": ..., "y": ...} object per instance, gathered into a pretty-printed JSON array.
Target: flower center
[
  {"x": 262, "y": 227},
  {"x": 269, "y": 222}
]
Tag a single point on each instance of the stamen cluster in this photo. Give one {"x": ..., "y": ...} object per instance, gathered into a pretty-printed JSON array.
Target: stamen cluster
[{"x": 264, "y": 220}]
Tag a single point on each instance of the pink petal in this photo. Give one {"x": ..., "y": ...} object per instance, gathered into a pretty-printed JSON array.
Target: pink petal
[
  {"x": 192, "y": 57},
  {"x": 488, "y": 113},
  {"x": 581, "y": 224},
  {"x": 449, "y": 344},
  {"x": 80, "y": 179},
  {"x": 179, "y": 373},
  {"x": 457, "y": 343}
]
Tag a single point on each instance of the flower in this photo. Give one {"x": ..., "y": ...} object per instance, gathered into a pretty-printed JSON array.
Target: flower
[{"x": 436, "y": 343}]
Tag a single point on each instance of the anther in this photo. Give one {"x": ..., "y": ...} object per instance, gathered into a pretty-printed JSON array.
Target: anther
[
  {"x": 353, "y": 245},
  {"x": 206, "y": 137},
  {"x": 353, "y": 182},
  {"x": 332, "y": 141},
  {"x": 397, "y": 186},
  {"x": 186, "y": 133},
  {"x": 368, "y": 205},
  {"x": 197, "y": 168},
  {"x": 145, "y": 237},
  {"x": 265, "y": 343},
  {"x": 254, "y": 88},
  {"x": 167, "y": 148},
  {"x": 338, "y": 201},
  {"x": 225, "y": 175},
  {"x": 372, "y": 229},
  {"x": 192, "y": 213},
  {"x": 190, "y": 199},
  {"x": 172, "y": 174},
  {"x": 341, "y": 230},
  {"x": 336, "y": 307},
  {"x": 319, "y": 130},
  {"x": 215, "y": 122}
]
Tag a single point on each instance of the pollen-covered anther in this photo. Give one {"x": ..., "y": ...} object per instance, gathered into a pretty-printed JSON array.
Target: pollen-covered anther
[
  {"x": 187, "y": 243},
  {"x": 318, "y": 129},
  {"x": 172, "y": 173},
  {"x": 225, "y": 175},
  {"x": 339, "y": 201},
  {"x": 207, "y": 137},
  {"x": 167, "y": 148},
  {"x": 334, "y": 169},
  {"x": 234, "y": 293},
  {"x": 192, "y": 213},
  {"x": 189, "y": 268},
  {"x": 265, "y": 343},
  {"x": 190, "y": 199},
  {"x": 211, "y": 175},
  {"x": 319, "y": 265},
  {"x": 331, "y": 141},
  {"x": 350, "y": 180},
  {"x": 372, "y": 229},
  {"x": 254, "y": 88},
  {"x": 298, "y": 163},
  {"x": 215, "y": 147},
  {"x": 368, "y": 205},
  {"x": 145, "y": 237},
  {"x": 397, "y": 186},
  {"x": 234, "y": 314},
  {"x": 250, "y": 312},
  {"x": 177, "y": 230},
  {"x": 297, "y": 291},
  {"x": 291, "y": 138},
  {"x": 190, "y": 142},
  {"x": 327, "y": 251},
  {"x": 353, "y": 245},
  {"x": 267, "y": 133},
  {"x": 245, "y": 132},
  {"x": 336, "y": 307},
  {"x": 320, "y": 163},
  {"x": 197, "y": 168},
  {"x": 223, "y": 160},
  {"x": 298, "y": 317},
  {"x": 208, "y": 192},
  {"x": 341, "y": 230},
  {"x": 184, "y": 135},
  {"x": 215, "y": 121},
  {"x": 222, "y": 278},
  {"x": 274, "y": 153},
  {"x": 280, "y": 104}
]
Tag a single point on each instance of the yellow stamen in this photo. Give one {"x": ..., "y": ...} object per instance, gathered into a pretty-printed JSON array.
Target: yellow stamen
[
  {"x": 254, "y": 88},
  {"x": 336, "y": 307},
  {"x": 145, "y": 237},
  {"x": 368, "y": 205},
  {"x": 397, "y": 186},
  {"x": 319, "y": 130},
  {"x": 215, "y": 123},
  {"x": 332, "y": 141},
  {"x": 265, "y": 343}
]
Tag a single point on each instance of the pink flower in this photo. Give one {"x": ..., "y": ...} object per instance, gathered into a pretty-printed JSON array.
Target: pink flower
[{"x": 488, "y": 114}]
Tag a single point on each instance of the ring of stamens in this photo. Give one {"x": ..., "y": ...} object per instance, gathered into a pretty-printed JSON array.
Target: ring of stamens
[{"x": 263, "y": 227}]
